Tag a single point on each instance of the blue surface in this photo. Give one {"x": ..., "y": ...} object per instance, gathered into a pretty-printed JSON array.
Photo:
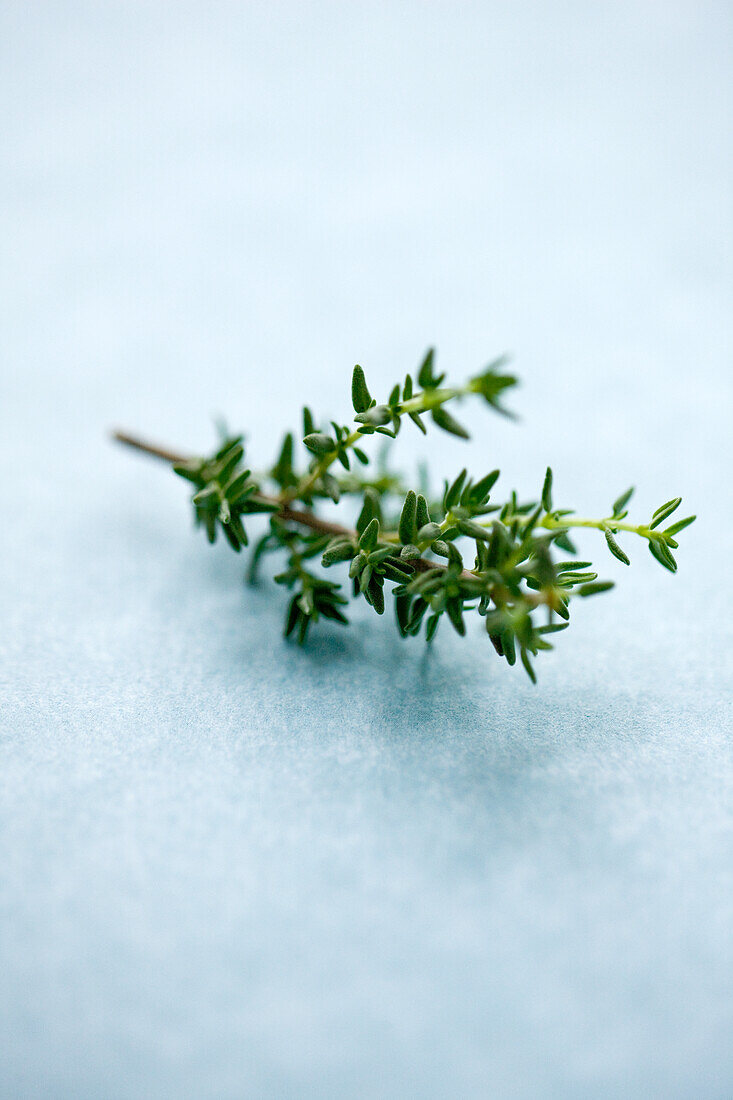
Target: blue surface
[{"x": 229, "y": 868}]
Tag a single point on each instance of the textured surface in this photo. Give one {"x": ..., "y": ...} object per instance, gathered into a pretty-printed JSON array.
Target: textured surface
[{"x": 229, "y": 868}]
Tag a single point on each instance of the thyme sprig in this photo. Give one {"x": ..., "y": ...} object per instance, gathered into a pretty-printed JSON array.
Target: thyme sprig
[{"x": 404, "y": 538}]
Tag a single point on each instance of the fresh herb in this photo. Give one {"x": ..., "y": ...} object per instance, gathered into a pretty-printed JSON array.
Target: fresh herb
[{"x": 406, "y": 543}]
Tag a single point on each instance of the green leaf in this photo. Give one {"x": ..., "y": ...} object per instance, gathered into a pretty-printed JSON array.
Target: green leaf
[
  {"x": 508, "y": 646},
  {"x": 375, "y": 417},
  {"x": 361, "y": 399},
  {"x": 491, "y": 384},
  {"x": 376, "y": 593},
  {"x": 292, "y": 616},
  {"x": 454, "y": 608},
  {"x": 425, "y": 373},
  {"x": 429, "y": 532},
  {"x": 402, "y": 606},
  {"x": 432, "y": 626},
  {"x": 453, "y": 492},
  {"x": 369, "y": 537},
  {"x": 208, "y": 496},
  {"x": 237, "y": 527},
  {"x": 679, "y": 525},
  {"x": 482, "y": 488},
  {"x": 370, "y": 508},
  {"x": 527, "y": 665},
  {"x": 259, "y": 505},
  {"x": 593, "y": 588},
  {"x": 576, "y": 578},
  {"x": 191, "y": 471},
  {"x": 659, "y": 551},
  {"x": 357, "y": 565},
  {"x": 615, "y": 549},
  {"x": 620, "y": 503},
  {"x": 375, "y": 557},
  {"x": 665, "y": 510},
  {"x": 331, "y": 487},
  {"x": 393, "y": 573},
  {"x": 419, "y": 608},
  {"x": 425, "y": 377},
  {"x": 227, "y": 442},
  {"x": 474, "y": 530},
  {"x": 337, "y": 552},
  {"x": 531, "y": 522},
  {"x": 444, "y": 420},
  {"x": 319, "y": 443},
  {"x": 454, "y": 555},
  {"x": 407, "y": 519},
  {"x": 237, "y": 489},
  {"x": 308, "y": 423},
  {"x": 409, "y": 553},
  {"x": 231, "y": 537},
  {"x": 230, "y": 464},
  {"x": 422, "y": 515},
  {"x": 563, "y": 540},
  {"x": 330, "y": 612},
  {"x": 547, "y": 491}
]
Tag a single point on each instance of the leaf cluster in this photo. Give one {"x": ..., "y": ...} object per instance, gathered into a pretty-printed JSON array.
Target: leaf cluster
[
  {"x": 225, "y": 492},
  {"x": 512, "y": 564}
]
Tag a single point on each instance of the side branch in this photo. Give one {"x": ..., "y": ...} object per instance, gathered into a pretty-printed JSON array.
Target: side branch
[{"x": 284, "y": 509}]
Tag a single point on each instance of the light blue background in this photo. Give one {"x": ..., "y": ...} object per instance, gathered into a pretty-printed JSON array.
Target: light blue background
[{"x": 233, "y": 869}]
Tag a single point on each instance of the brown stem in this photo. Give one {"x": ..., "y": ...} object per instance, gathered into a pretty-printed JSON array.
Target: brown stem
[
  {"x": 138, "y": 444},
  {"x": 308, "y": 519}
]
